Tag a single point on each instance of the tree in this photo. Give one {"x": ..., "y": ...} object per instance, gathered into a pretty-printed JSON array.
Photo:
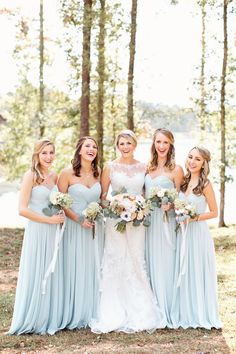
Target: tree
[
  {"x": 222, "y": 116},
  {"x": 132, "y": 45},
  {"x": 202, "y": 113},
  {"x": 85, "y": 94},
  {"x": 41, "y": 66},
  {"x": 101, "y": 78}
]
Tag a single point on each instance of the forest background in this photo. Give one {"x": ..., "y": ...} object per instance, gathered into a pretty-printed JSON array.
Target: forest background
[{"x": 95, "y": 67}]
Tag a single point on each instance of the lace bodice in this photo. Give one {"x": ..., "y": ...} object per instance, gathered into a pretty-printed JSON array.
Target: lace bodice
[{"x": 129, "y": 176}]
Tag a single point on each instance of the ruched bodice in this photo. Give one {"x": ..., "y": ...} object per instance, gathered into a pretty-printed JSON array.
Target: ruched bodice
[
  {"x": 40, "y": 198},
  {"x": 198, "y": 200},
  {"x": 159, "y": 181},
  {"x": 129, "y": 176},
  {"x": 83, "y": 195}
]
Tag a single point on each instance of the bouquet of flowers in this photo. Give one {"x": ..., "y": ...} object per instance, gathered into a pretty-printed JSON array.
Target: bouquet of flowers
[
  {"x": 129, "y": 208},
  {"x": 57, "y": 201},
  {"x": 184, "y": 211},
  {"x": 159, "y": 196},
  {"x": 162, "y": 196},
  {"x": 92, "y": 213}
]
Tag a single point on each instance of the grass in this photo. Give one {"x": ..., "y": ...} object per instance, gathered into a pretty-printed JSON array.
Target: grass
[{"x": 165, "y": 341}]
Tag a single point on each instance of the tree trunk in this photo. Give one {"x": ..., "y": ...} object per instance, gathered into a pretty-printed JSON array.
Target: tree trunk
[
  {"x": 202, "y": 76},
  {"x": 85, "y": 95},
  {"x": 41, "y": 80},
  {"x": 101, "y": 78},
  {"x": 130, "y": 98},
  {"x": 222, "y": 119}
]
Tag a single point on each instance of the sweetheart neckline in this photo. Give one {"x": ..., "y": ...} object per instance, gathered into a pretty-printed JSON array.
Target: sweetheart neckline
[{"x": 83, "y": 185}]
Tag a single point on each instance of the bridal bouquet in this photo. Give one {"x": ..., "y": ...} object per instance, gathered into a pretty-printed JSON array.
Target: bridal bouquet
[
  {"x": 184, "y": 211},
  {"x": 129, "y": 208},
  {"x": 57, "y": 201},
  {"x": 92, "y": 213}
]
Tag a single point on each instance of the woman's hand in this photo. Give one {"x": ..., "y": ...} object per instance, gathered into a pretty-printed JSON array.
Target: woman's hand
[
  {"x": 87, "y": 224},
  {"x": 57, "y": 219},
  {"x": 166, "y": 207}
]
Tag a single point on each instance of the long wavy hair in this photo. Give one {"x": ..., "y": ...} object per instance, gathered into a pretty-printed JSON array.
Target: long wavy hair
[
  {"x": 170, "y": 160},
  {"x": 204, "y": 172},
  {"x": 76, "y": 161},
  {"x": 128, "y": 134},
  {"x": 35, "y": 164}
]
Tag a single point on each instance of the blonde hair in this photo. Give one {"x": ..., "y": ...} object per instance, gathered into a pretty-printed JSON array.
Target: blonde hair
[
  {"x": 127, "y": 134},
  {"x": 170, "y": 160},
  {"x": 204, "y": 172},
  {"x": 35, "y": 165}
]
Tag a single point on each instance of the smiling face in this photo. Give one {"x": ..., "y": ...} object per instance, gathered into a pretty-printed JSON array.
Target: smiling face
[
  {"x": 88, "y": 150},
  {"x": 194, "y": 161},
  {"x": 162, "y": 145},
  {"x": 46, "y": 156},
  {"x": 126, "y": 146}
]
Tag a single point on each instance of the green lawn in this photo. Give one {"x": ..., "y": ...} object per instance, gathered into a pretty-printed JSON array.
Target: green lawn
[{"x": 162, "y": 341}]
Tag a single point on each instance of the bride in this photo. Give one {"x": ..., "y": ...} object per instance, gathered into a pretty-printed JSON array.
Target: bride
[{"x": 126, "y": 302}]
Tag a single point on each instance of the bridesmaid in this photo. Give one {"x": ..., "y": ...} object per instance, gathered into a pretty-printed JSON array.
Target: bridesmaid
[
  {"x": 80, "y": 250},
  {"x": 161, "y": 236},
  {"x": 33, "y": 311},
  {"x": 195, "y": 293}
]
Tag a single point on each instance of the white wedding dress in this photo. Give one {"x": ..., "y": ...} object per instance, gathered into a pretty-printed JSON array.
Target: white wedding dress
[{"x": 126, "y": 302}]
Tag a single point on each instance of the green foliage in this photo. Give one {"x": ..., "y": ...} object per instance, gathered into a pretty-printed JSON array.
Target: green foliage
[{"x": 21, "y": 130}]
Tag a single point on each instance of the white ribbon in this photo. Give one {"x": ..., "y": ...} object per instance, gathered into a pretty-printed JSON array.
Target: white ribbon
[
  {"x": 51, "y": 267},
  {"x": 167, "y": 232},
  {"x": 183, "y": 258},
  {"x": 96, "y": 250}
]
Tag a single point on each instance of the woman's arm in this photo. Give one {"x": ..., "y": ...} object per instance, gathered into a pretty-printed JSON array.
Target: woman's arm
[
  {"x": 209, "y": 193},
  {"x": 178, "y": 177},
  {"x": 63, "y": 185},
  {"x": 105, "y": 182},
  {"x": 25, "y": 193}
]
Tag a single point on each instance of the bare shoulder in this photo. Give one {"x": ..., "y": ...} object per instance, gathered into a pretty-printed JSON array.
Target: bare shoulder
[
  {"x": 178, "y": 169},
  {"x": 54, "y": 176},
  {"x": 29, "y": 176},
  {"x": 68, "y": 171},
  {"x": 208, "y": 188}
]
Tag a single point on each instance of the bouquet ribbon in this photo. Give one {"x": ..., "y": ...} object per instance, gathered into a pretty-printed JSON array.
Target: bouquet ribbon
[
  {"x": 167, "y": 232},
  {"x": 97, "y": 253},
  {"x": 51, "y": 267},
  {"x": 183, "y": 258}
]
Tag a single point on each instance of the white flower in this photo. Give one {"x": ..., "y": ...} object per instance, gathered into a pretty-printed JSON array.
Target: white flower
[
  {"x": 161, "y": 193},
  {"x": 125, "y": 215},
  {"x": 53, "y": 198}
]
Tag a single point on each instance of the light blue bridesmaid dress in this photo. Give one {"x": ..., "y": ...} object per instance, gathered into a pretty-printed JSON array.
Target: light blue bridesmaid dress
[
  {"x": 33, "y": 311},
  {"x": 82, "y": 255},
  {"x": 161, "y": 249},
  {"x": 195, "y": 291}
]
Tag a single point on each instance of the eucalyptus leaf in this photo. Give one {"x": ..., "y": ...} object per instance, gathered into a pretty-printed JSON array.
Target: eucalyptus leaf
[{"x": 47, "y": 211}]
